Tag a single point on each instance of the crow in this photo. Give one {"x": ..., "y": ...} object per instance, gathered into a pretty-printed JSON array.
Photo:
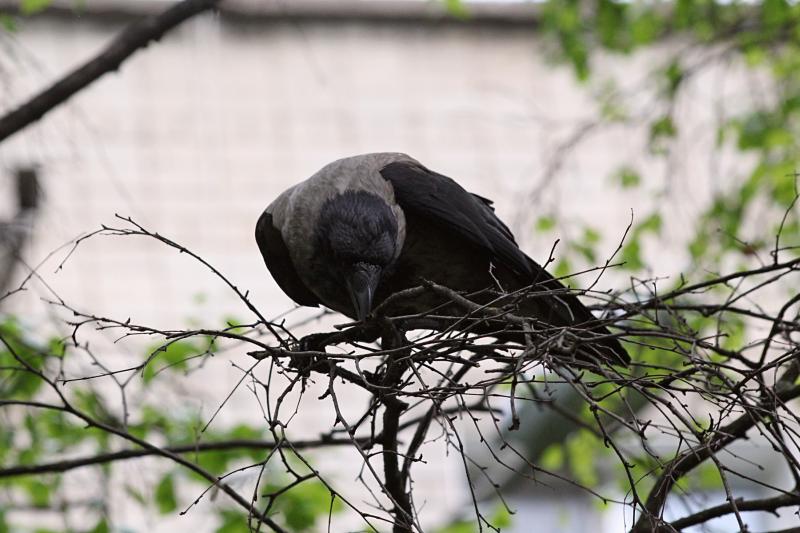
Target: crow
[{"x": 365, "y": 227}]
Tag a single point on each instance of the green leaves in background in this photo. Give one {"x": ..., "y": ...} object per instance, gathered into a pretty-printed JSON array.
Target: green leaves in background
[
  {"x": 500, "y": 518},
  {"x": 20, "y": 358},
  {"x": 298, "y": 509},
  {"x": 27, "y": 8},
  {"x": 175, "y": 356},
  {"x": 662, "y": 130},
  {"x": 9, "y": 24},
  {"x": 457, "y": 8},
  {"x": 31, "y": 7},
  {"x": 627, "y": 178},
  {"x": 233, "y": 522},
  {"x": 101, "y": 527},
  {"x": 584, "y": 246},
  {"x": 631, "y": 253},
  {"x": 165, "y": 498},
  {"x": 564, "y": 22},
  {"x": 764, "y": 35},
  {"x": 301, "y": 506},
  {"x": 44, "y": 435}
]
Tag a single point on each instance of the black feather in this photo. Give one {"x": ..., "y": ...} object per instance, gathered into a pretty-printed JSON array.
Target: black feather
[
  {"x": 440, "y": 212},
  {"x": 426, "y": 193},
  {"x": 279, "y": 262},
  {"x": 356, "y": 227}
]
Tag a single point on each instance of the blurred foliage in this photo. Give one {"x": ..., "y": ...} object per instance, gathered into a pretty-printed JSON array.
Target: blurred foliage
[
  {"x": 499, "y": 519},
  {"x": 27, "y": 8},
  {"x": 764, "y": 36},
  {"x": 30, "y": 7},
  {"x": 32, "y": 436},
  {"x": 738, "y": 227}
]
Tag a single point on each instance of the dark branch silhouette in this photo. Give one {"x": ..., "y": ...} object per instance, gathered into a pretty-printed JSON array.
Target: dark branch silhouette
[
  {"x": 424, "y": 370},
  {"x": 137, "y": 35}
]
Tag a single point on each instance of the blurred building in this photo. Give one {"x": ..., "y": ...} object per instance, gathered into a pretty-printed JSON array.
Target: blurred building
[{"x": 196, "y": 134}]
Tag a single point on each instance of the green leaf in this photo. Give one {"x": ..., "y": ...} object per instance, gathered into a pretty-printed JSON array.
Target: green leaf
[
  {"x": 165, "y": 499},
  {"x": 774, "y": 13},
  {"x": 613, "y": 25},
  {"x": 590, "y": 236},
  {"x": 245, "y": 432},
  {"x": 755, "y": 55},
  {"x": 545, "y": 223},
  {"x": 674, "y": 76},
  {"x": 38, "y": 491},
  {"x": 753, "y": 130},
  {"x": 646, "y": 27},
  {"x": 232, "y": 324},
  {"x": 651, "y": 224},
  {"x": 461, "y": 526},
  {"x": 563, "y": 268},
  {"x": 662, "y": 128},
  {"x": 627, "y": 177},
  {"x": 57, "y": 348},
  {"x": 706, "y": 478},
  {"x": 699, "y": 245},
  {"x": 92, "y": 402},
  {"x": 586, "y": 251},
  {"x": 303, "y": 504},
  {"x": 578, "y": 54},
  {"x": 173, "y": 355},
  {"x": 100, "y": 527},
  {"x": 583, "y": 450},
  {"x": 501, "y": 517},
  {"x": 735, "y": 338},
  {"x": 9, "y": 24},
  {"x": 215, "y": 462},
  {"x": 233, "y": 522},
  {"x": 456, "y": 8},
  {"x": 553, "y": 457},
  {"x": 31, "y": 7},
  {"x": 631, "y": 256},
  {"x": 684, "y": 13},
  {"x": 661, "y": 132},
  {"x": 631, "y": 251}
]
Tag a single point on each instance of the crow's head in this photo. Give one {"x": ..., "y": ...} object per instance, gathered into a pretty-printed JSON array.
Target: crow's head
[{"x": 356, "y": 237}]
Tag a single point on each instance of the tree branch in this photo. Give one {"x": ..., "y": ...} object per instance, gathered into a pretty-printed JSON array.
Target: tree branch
[
  {"x": 764, "y": 504},
  {"x": 137, "y": 35},
  {"x": 649, "y": 520},
  {"x": 121, "y": 455}
]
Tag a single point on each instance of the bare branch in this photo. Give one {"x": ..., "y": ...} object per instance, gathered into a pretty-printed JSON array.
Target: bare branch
[{"x": 137, "y": 35}]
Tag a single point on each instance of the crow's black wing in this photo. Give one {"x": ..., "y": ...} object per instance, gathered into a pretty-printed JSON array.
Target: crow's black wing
[
  {"x": 443, "y": 201},
  {"x": 440, "y": 200},
  {"x": 279, "y": 262}
]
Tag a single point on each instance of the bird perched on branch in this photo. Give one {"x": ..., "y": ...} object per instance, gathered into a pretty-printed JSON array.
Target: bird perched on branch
[{"x": 368, "y": 226}]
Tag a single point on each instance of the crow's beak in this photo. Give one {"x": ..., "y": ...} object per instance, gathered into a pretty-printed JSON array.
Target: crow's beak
[{"x": 361, "y": 284}]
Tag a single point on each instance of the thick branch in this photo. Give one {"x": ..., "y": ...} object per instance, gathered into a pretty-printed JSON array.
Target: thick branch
[
  {"x": 393, "y": 409},
  {"x": 137, "y": 35},
  {"x": 395, "y": 483},
  {"x": 121, "y": 455},
  {"x": 764, "y": 504},
  {"x": 688, "y": 460}
]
